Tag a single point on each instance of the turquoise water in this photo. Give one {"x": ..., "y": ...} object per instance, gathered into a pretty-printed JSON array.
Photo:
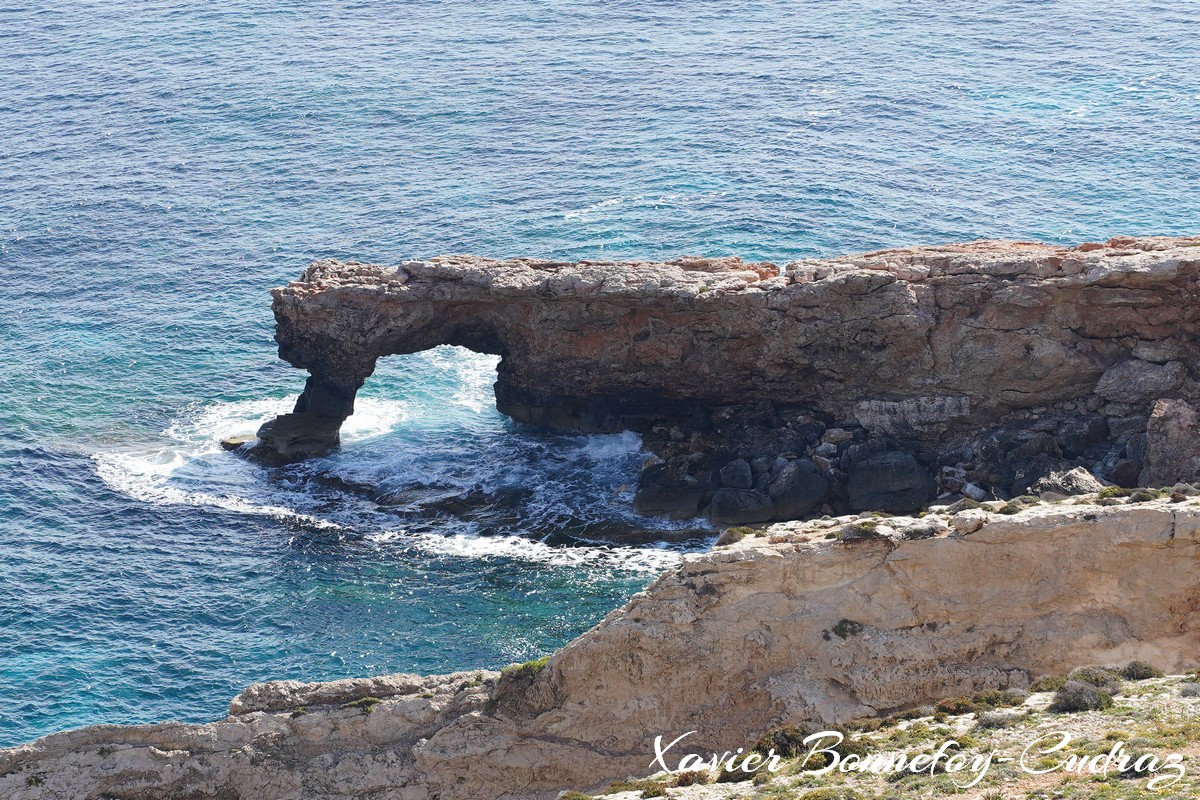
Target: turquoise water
[{"x": 162, "y": 167}]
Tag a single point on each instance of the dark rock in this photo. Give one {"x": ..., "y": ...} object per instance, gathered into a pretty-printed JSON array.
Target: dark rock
[
  {"x": 1026, "y": 473},
  {"x": 1039, "y": 444},
  {"x": 737, "y": 474},
  {"x": 797, "y": 490},
  {"x": 1125, "y": 473},
  {"x": 1075, "y": 436},
  {"x": 1135, "y": 448},
  {"x": 1123, "y": 427},
  {"x": 740, "y": 506},
  {"x": 665, "y": 488},
  {"x": 294, "y": 437},
  {"x": 889, "y": 481}
]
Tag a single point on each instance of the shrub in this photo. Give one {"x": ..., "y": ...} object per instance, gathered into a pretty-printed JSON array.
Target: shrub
[
  {"x": 863, "y": 529},
  {"x": 990, "y": 720},
  {"x": 1077, "y": 696},
  {"x": 915, "y": 713},
  {"x": 1109, "y": 492},
  {"x": 1018, "y": 504},
  {"x": 962, "y": 505},
  {"x": 1140, "y": 671},
  {"x": 788, "y": 742},
  {"x": 528, "y": 669},
  {"x": 733, "y": 535},
  {"x": 695, "y": 777},
  {"x": 574, "y": 796},
  {"x": 647, "y": 786},
  {"x": 1000, "y": 698},
  {"x": 1189, "y": 690},
  {"x": 1145, "y": 495},
  {"x": 847, "y": 628},
  {"x": 955, "y": 705},
  {"x": 830, "y": 793},
  {"x": 1048, "y": 683},
  {"x": 365, "y": 704},
  {"x": 1101, "y": 677}
]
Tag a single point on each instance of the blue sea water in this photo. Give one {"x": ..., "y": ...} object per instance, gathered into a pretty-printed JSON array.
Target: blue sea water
[{"x": 162, "y": 166}]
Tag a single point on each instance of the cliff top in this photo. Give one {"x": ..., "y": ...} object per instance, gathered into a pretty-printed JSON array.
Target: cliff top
[{"x": 694, "y": 275}]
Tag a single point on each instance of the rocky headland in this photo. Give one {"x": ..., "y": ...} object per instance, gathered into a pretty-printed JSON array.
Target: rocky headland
[
  {"x": 822, "y": 622},
  {"x": 825, "y": 386}
]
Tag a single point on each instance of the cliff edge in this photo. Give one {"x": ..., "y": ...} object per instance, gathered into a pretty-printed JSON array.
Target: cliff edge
[{"x": 825, "y": 621}]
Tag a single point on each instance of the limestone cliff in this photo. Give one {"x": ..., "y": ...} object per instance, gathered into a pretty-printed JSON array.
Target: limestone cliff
[
  {"x": 828, "y": 620},
  {"x": 996, "y": 360}
]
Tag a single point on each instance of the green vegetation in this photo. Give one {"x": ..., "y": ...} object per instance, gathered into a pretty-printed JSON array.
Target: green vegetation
[
  {"x": 528, "y": 669},
  {"x": 1103, "y": 677},
  {"x": 1150, "y": 719},
  {"x": 1114, "y": 491},
  {"x": 298, "y": 711},
  {"x": 863, "y": 529},
  {"x": 1140, "y": 671},
  {"x": 1018, "y": 504},
  {"x": 1048, "y": 683},
  {"x": 1076, "y": 696},
  {"x": 847, "y": 628},
  {"x": 649, "y": 787},
  {"x": 364, "y": 704},
  {"x": 736, "y": 534},
  {"x": 962, "y": 505}
]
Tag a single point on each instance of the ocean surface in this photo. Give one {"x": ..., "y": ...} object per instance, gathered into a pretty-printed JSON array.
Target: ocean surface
[{"x": 162, "y": 166}]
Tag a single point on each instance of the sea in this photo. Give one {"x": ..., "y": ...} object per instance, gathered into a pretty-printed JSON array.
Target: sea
[{"x": 164, "y": 165}]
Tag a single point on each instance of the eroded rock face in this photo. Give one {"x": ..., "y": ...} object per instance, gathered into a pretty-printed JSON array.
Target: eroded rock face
[
  {"x": 926, "y": 346},
  {"x": 778, "y": 629},
  {"x": 1172, "y": 444}
]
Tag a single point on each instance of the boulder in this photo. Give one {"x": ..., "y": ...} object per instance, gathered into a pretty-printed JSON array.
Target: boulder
[
  {"x": 1139, "y": 382},
  {"x": 1069, "y": 482},
  {"x": 740, "y": 506},
  {"x": 294, "y": 437},
  {"x": 797, "y": 490},
  {"x": 667, "y": 489},
  {"x": 1172, "y": 444},
  {"x": 737, "y": 474},
  {"x": 969, "y": 520},
  {"x": 890, "y": 481}
]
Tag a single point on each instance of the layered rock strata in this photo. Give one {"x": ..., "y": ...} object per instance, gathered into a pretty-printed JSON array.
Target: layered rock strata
[
  {"x": 824, "y": 621},
  {"x": 868, "y": 381}
]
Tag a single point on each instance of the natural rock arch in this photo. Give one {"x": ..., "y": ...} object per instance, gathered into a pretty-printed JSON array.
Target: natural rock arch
[{"x": 912, "y": 347}]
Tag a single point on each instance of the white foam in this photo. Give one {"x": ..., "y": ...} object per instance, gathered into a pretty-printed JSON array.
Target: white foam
[
  {"x": 162, "y": 475},
  {"x": 143, "y": 477},
  {"x": 649, "y": 560},
  {"x": 443, "y": 437}
]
